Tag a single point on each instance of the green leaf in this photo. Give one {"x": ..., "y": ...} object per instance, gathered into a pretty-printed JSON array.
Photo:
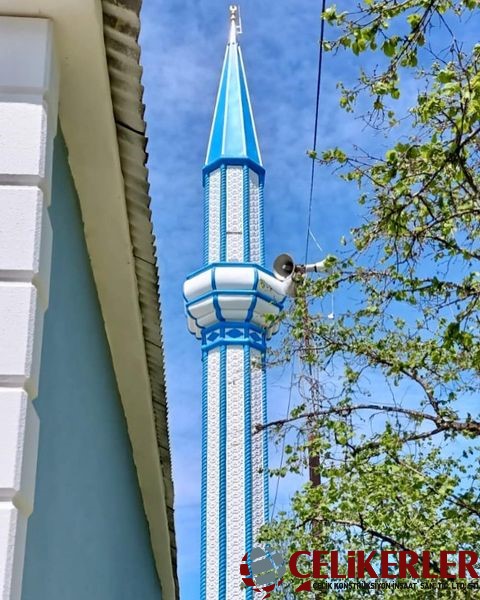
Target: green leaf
[
  {"x": 414, "y": 20},
  {"x": 445, "y": 76},
  {"x": 389, "y": 46}
]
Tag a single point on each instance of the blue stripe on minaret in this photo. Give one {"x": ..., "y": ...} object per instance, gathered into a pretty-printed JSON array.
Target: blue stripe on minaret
[
  {"x": 246, "y": 213},
  {"x": 222, "y": 583},
  {"x": 248, "y": 456},
  {"x": 261, "y": 223},
  {"x": 216, "y": 305},
  {"x": 254, "y": 300},
  {"x": 203, "y": 534},
  {"x": 206, "y": 217}
]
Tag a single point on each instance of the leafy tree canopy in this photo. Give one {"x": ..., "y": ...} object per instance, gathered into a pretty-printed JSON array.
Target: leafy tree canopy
[{"x": 389, "y": 420}]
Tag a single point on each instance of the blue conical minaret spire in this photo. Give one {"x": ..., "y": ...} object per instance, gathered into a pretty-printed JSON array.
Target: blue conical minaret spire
[
  {"x": 226, "y": 302},
  {"x": 233, "y": 134}
]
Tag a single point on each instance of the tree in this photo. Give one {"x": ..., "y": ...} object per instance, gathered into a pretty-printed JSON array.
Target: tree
[{"x": 390, "y": 411}]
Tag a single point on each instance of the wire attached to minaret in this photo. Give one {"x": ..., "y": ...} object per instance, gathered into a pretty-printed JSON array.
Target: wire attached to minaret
[{"x": 315, "y": 129}]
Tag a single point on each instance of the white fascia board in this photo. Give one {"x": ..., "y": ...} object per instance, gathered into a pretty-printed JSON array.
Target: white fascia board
[{"x": 86, "y": 117}]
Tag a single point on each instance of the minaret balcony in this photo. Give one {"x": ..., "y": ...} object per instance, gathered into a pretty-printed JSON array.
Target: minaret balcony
[{"x": 231, "y": 300}]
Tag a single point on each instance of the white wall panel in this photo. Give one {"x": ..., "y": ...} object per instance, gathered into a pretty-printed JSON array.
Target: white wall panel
[
  {"x": 213, "y": 468},
  {"x": 214, "y": 216},
  {"x": 28, "y": 119},
  {"x": 234, "y": 214},
  {"x": 235, "y": 469},
  {"x": 255, "y": 253},
  {"x": 257, "y": 443}
]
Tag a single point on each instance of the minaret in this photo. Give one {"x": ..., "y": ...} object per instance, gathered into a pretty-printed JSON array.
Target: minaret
[{"x": 227, "y": 301}]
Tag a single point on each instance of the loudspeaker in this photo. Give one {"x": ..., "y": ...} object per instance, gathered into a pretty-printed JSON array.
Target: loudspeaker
[{"x": 283, "y": 266}]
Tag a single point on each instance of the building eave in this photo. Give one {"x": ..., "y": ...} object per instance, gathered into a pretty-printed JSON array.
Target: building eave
[{"x": 121, "y": 26}]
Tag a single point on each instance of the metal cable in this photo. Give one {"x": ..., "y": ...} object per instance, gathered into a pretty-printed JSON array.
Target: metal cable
[{"x": 315, "y": 129}]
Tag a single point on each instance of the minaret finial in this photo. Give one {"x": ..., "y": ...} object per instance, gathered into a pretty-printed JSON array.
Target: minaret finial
[{"x": 235, "y": 23}]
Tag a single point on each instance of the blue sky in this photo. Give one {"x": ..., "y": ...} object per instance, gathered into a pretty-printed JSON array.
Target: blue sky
[
  {"x": 183, "y": 44},
  {"x": 182, "y": 51}
]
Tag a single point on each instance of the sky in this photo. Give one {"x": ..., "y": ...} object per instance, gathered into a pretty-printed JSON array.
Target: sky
[{"x": 183, "y": 44}]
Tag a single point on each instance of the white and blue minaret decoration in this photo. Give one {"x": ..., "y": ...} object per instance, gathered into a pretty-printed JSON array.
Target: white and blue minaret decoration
[{"x": 227, "y": 301}]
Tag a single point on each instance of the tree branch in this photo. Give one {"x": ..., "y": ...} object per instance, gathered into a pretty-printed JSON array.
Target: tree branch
[{"x": 442, "y": 423}]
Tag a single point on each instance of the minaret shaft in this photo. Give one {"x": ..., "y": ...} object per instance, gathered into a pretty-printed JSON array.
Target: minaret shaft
[
  {"x": 234, "y": 492},
  {"x": 226, "y": 303},
  {"x": 234, "y": 215}
]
